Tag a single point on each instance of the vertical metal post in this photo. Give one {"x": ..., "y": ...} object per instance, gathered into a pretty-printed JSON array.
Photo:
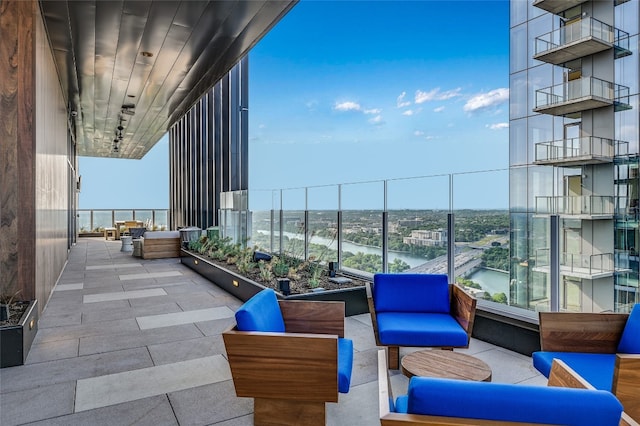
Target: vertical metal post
[
  {"x": 271, "y": 230},
  {"x": 451, "y": 240},
  {"x": 306, "y": 224},
  {"x": 281, "y": 225},
  {"x": 339, "y": 227},
  {"x": 385, "y": 228},
  {"x": 554, "y": 262}
]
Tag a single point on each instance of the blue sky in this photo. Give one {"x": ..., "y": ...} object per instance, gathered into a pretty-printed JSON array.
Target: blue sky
[{"x": 344, "y": 91}]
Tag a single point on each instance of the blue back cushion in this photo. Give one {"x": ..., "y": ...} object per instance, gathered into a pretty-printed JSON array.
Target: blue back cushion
[
  {"x": 261, "y": 313},
  {"x": 411, "y": 293},
  {"x": 512, "y": 402},
  {"x": 630, "y": 340},
  {"x": 597, "y": 369}
]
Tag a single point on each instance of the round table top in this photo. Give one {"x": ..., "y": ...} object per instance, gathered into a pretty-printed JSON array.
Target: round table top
[{"x": 445, "y": 364}]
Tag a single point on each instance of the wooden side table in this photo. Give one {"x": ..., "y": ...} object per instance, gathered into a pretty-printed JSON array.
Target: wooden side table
[{"x": 445, "y": 364}]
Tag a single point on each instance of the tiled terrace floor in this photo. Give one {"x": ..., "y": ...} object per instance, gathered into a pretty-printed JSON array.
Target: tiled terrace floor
[{"x": 126, "y": 341}]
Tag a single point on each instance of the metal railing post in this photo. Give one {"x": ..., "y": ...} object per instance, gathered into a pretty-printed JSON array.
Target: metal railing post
[
  {"x": 554, "y": 262},
  {"x": 451, "y": 240},
  {"x": 385, "y": 231}
]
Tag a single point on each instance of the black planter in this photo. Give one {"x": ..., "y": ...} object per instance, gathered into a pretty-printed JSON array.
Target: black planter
[
  {"x": 355, "y": 298},
  {"x": 16, "y": 340}
]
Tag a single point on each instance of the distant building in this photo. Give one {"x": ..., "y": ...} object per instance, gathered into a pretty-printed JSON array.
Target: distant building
[{"x": 427, "y": 238}]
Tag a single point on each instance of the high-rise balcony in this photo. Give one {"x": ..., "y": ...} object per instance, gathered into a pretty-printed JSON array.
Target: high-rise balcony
[
  {"x": 578, "y": 151},
  {"x": 583, "y": 206},
  {"x": 585, "y": 266},
  {"x": 557, "y": 6},
  {"x": 581, "y": 94},
  {"x": 579, "y": 39}
]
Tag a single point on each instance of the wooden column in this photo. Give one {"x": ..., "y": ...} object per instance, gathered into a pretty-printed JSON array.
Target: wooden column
[{"x": 17, "y": 148}]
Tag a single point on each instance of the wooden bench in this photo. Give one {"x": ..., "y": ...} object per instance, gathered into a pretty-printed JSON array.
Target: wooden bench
[{"x": 160, "y": 244}]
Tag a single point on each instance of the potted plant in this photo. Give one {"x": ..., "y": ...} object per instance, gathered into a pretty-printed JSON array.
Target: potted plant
[{"x": 18, "y": 327}]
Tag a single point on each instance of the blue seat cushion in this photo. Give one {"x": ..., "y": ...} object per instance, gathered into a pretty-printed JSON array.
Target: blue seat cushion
[
  {"x": 512, "y": 402},
  {"x": 597, "y": 369},
  {"x": 630, "y": 340},
  {"x": 420, "y": 329},
  {"x": 411, "y": 293},
  {"x": 261, "y": 313},
  {"x": 401, "y": 404},
  {"x": 345, "y": 364}
]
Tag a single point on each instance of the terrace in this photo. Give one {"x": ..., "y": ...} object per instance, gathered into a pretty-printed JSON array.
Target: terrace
[{"x": 131, "y": 341}]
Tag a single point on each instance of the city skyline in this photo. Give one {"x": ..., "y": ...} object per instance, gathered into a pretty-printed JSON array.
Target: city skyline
[{"x": 355, "y": 91}]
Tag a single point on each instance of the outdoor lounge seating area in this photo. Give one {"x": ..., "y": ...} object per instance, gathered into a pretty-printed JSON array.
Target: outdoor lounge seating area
[
  {"x": 603, "y": 349},
  {"x": 125, "y": 340}
]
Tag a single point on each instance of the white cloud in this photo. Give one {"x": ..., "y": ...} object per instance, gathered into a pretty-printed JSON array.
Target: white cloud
[
  {"x": 372, "y": 111},
  {"x": 439, "y": 109},
  {"x": 261, "y": 126},
  {"x": 376, "y": 120},
  {"x": 418, "y": 133},
  {"x": 401, "y": 102},
  {"x": 498, "y": 126},
  {"x": 430, "y": 138},
  {"x": 347, "y": 106},
  {"x": 408, "y": 112},
  {"x": 487, "y": 100},
  {"x": 435, "y": 95}
]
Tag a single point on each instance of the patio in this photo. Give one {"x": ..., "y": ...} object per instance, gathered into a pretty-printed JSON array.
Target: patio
[{"x": 131, "y": 341}]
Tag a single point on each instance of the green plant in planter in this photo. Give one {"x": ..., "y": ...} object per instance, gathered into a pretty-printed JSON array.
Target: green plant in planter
[
  {"x": 7, "y": 299},
  {"x": 266, "y": 271},
  {"x": 280, "y": 267}
]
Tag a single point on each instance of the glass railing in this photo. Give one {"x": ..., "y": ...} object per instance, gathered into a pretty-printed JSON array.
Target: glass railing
[
  {"x": 576, "y": 31},
  {"x": 95, "y": 220},
  {"x": 580, "y": 264},
  {"x": 577, "y": 89},
  {"x": 574, "y": 149},
  {"x": 583, "y": 205},
  {"x": 396, "y": 225}
]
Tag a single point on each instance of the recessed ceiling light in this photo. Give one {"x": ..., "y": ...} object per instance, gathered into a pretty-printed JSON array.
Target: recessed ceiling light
[{"x": 147, "y": 54}]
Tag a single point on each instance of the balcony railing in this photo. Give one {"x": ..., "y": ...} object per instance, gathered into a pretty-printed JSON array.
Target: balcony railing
[
  {"x": 579, "y": 151},
  {"x": 585, "y": 37},
  {"x": 586, "y": 266},
  {"x": 95, "y": 220},
  {"x": 585, "y": 206},
  {"x": 581, "y": 94}
]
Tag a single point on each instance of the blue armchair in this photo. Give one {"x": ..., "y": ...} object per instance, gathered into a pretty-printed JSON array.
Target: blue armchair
[
  {"x": 459, "y": 402},
  {"x": 290, "y": 356},
  {"x": 419, "y": 310},
  {"x": 602, "y": 348}
]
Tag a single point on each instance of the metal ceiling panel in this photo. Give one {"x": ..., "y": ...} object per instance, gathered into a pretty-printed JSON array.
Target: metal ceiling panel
[{"x": 142, "y": 64}]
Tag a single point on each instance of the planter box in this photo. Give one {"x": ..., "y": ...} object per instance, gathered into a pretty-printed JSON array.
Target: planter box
[
  {"x": 15, "y": 340},
  {"x": 355, "y": 298}
]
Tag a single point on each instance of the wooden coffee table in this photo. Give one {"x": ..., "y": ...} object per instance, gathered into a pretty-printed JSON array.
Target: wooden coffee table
[{"x": 445, "y": 364}]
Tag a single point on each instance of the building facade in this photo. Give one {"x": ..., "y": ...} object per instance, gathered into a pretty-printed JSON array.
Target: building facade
[{"x": 574, "y": 154}]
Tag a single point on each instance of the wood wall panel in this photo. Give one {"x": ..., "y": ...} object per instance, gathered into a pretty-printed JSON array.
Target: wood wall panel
[
  {"x": 34, "y": 167},
  {"x": 17, "y": 215}
]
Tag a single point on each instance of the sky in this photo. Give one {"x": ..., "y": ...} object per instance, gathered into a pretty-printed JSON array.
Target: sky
[{"x": 351, "y": 91}]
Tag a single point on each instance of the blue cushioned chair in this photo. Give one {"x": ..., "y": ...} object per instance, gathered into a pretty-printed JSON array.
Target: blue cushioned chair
[
  {"x": 419, "y": 310},
  {"x": 290, "y": 356},
  {"x": 602, "y": 348},
  {"x": 447, "y": 401}
]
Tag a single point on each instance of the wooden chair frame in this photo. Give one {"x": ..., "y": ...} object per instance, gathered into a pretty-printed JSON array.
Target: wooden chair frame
[
  {"x": 463, "y": 309},
  {"x": 595, "y": 333},
  {"x": 561, "y": 375},
  {"x": 290, "y": 375}
]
